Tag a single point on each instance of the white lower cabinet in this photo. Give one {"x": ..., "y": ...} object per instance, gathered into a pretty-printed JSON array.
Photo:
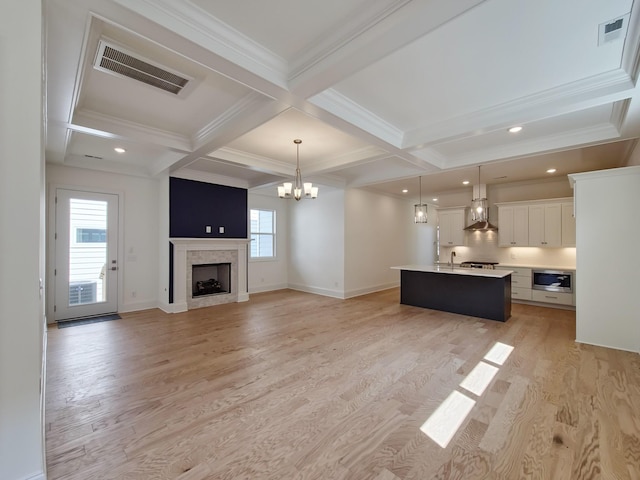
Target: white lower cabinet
[
  {"x": 520, "y": 282},
  {"x": 520, "y": 293},
  {"x": 521, "y": 288},
  {"x": 560, "y": 298}
]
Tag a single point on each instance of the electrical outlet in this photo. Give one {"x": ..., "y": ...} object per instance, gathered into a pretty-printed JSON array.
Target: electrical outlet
[
  {"x": 220, "y": 229},
  {"x": 207, "y": 229}
]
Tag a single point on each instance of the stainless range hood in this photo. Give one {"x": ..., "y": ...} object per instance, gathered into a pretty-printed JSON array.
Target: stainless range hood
[{"x": 482, "y": 226}]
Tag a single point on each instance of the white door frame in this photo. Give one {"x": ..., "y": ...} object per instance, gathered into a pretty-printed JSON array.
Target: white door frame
[{"x": 51, "y": 243}]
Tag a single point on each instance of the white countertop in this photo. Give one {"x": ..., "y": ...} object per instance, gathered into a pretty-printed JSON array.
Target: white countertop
[
  {"x": 536, "y": 267},
  {"x": 476, "y": 272}
]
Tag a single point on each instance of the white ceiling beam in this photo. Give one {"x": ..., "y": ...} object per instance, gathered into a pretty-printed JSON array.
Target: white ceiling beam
[{"x": 392, "y": 29}]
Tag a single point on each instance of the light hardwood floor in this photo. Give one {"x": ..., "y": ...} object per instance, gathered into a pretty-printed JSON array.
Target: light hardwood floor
[{"x": 296, "y": 386}]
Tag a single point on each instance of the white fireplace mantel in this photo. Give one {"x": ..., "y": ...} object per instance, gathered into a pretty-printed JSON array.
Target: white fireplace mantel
[{"x": 183, "y": 245}]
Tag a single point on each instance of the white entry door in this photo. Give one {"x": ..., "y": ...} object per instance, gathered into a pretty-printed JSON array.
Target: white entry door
[{"x": 86, "y": 268}]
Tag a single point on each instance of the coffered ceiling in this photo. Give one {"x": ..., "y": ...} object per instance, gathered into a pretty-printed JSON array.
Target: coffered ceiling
[{"x": 379, "y": 91}]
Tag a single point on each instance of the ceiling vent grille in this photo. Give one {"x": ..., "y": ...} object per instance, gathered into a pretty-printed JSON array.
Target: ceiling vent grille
[
  {"x": 613, "y": 30},
  {"x": 118, "y": 61}
]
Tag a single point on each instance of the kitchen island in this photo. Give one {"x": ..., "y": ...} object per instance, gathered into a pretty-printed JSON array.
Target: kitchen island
[{"x": 477, "y": 292}]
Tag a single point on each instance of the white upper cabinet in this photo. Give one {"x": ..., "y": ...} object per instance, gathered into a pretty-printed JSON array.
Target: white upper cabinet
[
  {"x": 513, "y": 226},
  {"x": 545, "y": 225},
  {"x": 451, "y": 226},
  {"x": 539, "y": 223}
]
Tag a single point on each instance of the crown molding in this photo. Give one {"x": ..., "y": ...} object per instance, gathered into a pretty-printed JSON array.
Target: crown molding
[
  {"x": 129, "y": 130},
  {"x": 255, "y": 162},
  {"x": 349, "y": 159},
  {"x": 343, "y": 107},
  {"x": 246, "y": 104},
  {"x": 366, "y": 37},
  {"x": 579, "y": 137},
  {"x": 208, "y": 177},
  {"x": 431, "y": 156},
  {"x": 197, "y": 25},
  {"x": 108, "y": 166},
  {"x": 619, "y": 113},
  {"x": 585, "y": 93}
]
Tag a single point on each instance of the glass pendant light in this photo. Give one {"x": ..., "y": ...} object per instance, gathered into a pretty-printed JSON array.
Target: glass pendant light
[
  {"x": 420, "y": 209},
  {"x": 479, "y": 210}
]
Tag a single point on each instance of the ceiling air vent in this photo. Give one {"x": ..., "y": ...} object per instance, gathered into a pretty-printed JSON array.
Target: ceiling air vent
[
  {"x": 118, "y": 61},
  {"x": 613, "y": 30}
]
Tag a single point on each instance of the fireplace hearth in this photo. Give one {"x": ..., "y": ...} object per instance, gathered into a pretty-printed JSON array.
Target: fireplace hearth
[{"x": 190, "y": 252}]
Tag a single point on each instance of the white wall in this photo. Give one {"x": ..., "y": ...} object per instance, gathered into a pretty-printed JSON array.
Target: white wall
[
  {"x": 21, "y": 243},
  {"x": 139, "y": 246},
  {"x": 163, "y": 242},
  {"x": 607, "y": 300},
  {"x": 316, "y": 244},
  {"x": 379, "y": 233},
  {"x": 266, "y": 275}
]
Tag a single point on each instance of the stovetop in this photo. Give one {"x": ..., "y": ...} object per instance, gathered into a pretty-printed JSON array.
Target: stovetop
[{"x": 478, "y": 264}]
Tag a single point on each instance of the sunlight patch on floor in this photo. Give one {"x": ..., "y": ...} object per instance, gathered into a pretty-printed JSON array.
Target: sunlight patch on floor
[{"x": 445, "y": 421}]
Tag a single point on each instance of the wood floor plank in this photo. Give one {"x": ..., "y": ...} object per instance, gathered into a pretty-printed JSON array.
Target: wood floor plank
[{"x": 297, "y": 386}]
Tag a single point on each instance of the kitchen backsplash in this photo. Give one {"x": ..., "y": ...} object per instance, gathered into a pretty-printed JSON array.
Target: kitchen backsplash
[{"x": 483, "y": 246}]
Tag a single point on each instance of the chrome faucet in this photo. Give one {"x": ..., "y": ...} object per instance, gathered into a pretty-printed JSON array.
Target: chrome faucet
[{"x": 453, "y": 254}]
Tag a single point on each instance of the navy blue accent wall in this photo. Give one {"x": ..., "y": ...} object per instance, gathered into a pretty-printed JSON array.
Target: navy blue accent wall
[{"x": 195, "y": 205}]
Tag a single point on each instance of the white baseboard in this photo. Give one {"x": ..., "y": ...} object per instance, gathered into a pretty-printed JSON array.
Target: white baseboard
[
  {"x": 318, "y": 291},
  {"x": 365, "y": 291},
  {"x": 608, "y": 346},
  {"x": 137, "y": 306},
  {"x": 36, "y": 476},
  {"x": 268, "y": 288}
]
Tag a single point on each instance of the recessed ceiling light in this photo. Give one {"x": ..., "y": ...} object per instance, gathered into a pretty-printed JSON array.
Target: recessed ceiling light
[
  {"x": 466, "y": 182},
  {"x": 404, "y": 190},
  {"x": 119, "y": 149},
  {"x": 434, "y": 199},
  {"x": 551, "y": 170},
  {"x": 515, "y": 129}
]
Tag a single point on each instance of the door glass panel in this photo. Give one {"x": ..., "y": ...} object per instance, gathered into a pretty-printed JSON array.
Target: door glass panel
[{"x": 87, "y": 251}]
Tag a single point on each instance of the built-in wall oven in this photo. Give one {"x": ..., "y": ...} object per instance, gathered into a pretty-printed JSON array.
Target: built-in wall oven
[{"x": 552, "y": 280}]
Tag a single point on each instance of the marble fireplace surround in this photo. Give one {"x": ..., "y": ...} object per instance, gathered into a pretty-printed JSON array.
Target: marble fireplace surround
[{"x": 198, "y": 251}]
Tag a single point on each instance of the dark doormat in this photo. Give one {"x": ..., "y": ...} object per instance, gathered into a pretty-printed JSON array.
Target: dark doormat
[{"x": 87, "y": 320}]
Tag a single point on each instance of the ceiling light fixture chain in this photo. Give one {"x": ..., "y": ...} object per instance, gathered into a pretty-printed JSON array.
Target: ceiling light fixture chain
[
  {"x": 420, "y": 210},
  {"x": 297, "y": 188}
]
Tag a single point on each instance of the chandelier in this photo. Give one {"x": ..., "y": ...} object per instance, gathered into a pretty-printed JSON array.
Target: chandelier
[
  {"x": 297, "y": 189},
  {"x": 420, "y": 210}
]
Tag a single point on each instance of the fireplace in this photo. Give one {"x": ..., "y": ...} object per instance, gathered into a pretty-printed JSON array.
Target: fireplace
[
  {"x": 210, "y": 279},
  {"x": 227, "y": 260}
]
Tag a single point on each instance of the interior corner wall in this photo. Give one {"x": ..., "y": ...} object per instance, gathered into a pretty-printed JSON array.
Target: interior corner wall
[
  {"x": 163, "y": 242},
  {"x": 268, "y": 275},
  {"x": 316, "y": 244},
  {"x": 139, "y": 252},
  {"x": 379, "y": 233},
  {"x": 634, "y": 158},
  {"x": 22, "y": 329}
]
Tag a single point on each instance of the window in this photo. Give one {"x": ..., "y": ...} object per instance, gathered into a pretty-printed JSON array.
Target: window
[
  {"x": 263, "y": 233},
  {"x": 91, "y": 235}
]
